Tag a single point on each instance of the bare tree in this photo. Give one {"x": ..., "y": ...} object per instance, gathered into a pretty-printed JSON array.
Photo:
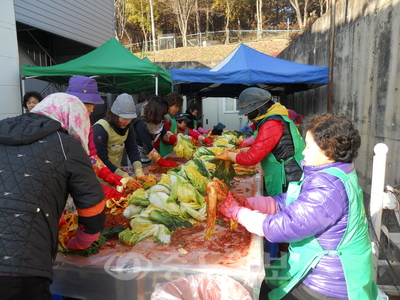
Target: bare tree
[
  {"x": 323, "y": 3},
  {"x": 259, "y": 4},
  {"x": 182, "y": 10},
  {"x": 301, "y": 17},
  {"x": 120, "y": 19},
  {"x": 228, "y": 6},
  {"x": 198, "y": 21}
]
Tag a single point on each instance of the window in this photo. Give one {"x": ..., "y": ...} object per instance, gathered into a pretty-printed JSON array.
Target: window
[{"x": 230, "y": 106}]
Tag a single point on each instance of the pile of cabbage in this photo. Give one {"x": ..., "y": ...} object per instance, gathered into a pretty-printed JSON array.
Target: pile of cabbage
[{"x": 177, "y": 201}]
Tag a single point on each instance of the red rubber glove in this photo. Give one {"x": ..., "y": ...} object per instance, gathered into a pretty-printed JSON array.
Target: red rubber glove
[
  {"x": 173, "y": 139},
  {"x": 170, "y": 138},
  {"x": 82, "y": 240},
  {"x": 109, "y": 193},
  {"x": 167, "y": 163},
  {"x": 229, "y": 207},
  {"x": 208, "y": 141},
  {"x": 109, "y": 177}
]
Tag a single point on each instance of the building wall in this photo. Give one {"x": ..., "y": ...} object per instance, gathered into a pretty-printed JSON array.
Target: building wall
[
  {"x": 85, "y": 21},
  {"x": 9, "y": 65},
  {"x": 366, "y": 76},
  {"x": 90, "y": 22},
  {"x": 214, "y": 112}
]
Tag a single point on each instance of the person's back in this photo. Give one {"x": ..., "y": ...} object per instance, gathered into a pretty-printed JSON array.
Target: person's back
[{"x": 40, "y": 165}]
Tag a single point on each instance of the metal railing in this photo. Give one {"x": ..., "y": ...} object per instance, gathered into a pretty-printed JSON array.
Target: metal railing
[{"x": 170, "y": 41}]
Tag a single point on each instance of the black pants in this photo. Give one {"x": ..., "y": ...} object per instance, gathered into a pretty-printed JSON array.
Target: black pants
[
  {"x": 22, "y": 288},
  {"x": 299, "y": 292}
]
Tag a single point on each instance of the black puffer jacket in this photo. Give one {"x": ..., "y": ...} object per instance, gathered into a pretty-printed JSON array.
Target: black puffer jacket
[{"x": 40, "y": 165}]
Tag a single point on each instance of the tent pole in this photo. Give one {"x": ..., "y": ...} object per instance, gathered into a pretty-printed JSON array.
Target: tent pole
[
  {"x": 331, "y": 56},
  {"x": 156, "y": 87},
  {"x": 23, "y": 91}
]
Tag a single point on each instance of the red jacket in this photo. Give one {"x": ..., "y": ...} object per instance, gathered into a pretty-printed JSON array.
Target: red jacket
[{"x": 267, "y": 138}]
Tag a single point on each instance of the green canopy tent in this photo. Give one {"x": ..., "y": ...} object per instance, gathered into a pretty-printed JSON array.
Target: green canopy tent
[{"x": 115, "y": 69}]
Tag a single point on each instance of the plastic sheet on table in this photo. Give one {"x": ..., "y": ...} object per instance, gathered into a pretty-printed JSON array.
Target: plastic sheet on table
[{"x": 201, "y": 287}]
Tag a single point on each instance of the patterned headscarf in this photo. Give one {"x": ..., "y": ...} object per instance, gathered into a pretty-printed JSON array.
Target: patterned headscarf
[{"x": 70, "y": 112}]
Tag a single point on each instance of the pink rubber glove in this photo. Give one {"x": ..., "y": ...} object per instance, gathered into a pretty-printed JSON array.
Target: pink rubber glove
[
  {"x": 247, "y": 142},
  {"x": 82, "y": 240},
  {"x": 202, "y": 130},
  {"x": 229, "y": 207},
  {"x": 109, "y": 193},
  {"x": 265, "y": 205}
]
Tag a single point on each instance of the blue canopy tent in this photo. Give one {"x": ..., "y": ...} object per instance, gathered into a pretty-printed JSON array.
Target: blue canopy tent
[{"x": 246, "y": 67}]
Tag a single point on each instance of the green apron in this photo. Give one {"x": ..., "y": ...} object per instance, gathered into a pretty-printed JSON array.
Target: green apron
[
  {"x": 354, "y": 249},
  {"x": 274, "y": 171},
  {"x": 164, "y": 148},
  {"x": 194, "y": 124},
  {"x": 115, "y": 144}
]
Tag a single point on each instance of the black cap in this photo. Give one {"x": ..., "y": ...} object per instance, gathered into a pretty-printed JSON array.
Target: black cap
[{"x": 182, "y": 117}]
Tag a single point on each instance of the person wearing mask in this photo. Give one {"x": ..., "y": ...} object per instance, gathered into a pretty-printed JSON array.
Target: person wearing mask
[
  {"x": 278, "y": 144},
  {"x": 294, "y": 116},
  {"x": 149, "y": 127},
  {"x": 115, "y": 133},
  {"x": 31, "y": 99},
  {"x": 85, "y": 88},
  {"x": 44, "y": 159},
  {"x": 323, "y": 218}
]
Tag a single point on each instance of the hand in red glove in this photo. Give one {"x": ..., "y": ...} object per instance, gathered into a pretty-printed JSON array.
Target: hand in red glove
[
  {"x": 110, "y": 177},
  {"x": 109, "y": 193},
  {"x": 229, "y": 207},
  {"x": 166, "y": 163},
  {"x": 208, "y": 141},
  {"x": 173, "y": 139},
  {"x": 156, "y": 157},
  {"x": 241, "y": 201},
  {"x": 170, "y": 138},
  {"x": 82, "y": 240}
]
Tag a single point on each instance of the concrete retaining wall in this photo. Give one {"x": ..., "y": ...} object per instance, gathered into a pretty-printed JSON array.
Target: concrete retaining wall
[{"x": 366, "y": 77}]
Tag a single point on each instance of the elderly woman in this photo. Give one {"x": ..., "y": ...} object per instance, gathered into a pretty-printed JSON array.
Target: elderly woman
[
  {"x": 31, "y": 99},
  {"x": 322, "y": 216}
]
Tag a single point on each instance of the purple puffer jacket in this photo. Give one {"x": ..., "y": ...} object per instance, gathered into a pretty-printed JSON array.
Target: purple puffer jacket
[{"x": 320, "y": 210}]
